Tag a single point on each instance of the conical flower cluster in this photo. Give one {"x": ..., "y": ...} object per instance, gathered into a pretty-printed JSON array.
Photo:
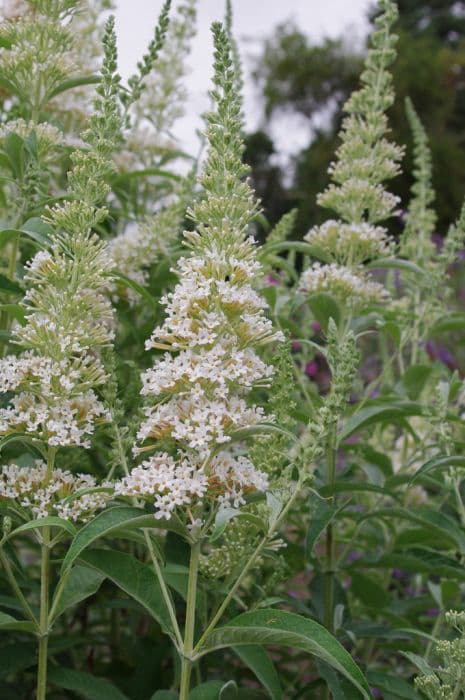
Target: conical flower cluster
[
  {"x": 215, "y": 322},
  {"x": 365, "y": 159},
  {"x": 68, "y": 316}
]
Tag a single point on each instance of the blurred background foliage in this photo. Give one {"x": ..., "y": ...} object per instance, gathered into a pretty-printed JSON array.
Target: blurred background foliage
[{"x": 295, "y": 76}]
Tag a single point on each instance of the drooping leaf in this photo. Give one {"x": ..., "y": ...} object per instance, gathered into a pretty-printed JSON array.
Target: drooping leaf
[
  {"x": 439, "y": 462},
  {"x": 85, "y": 684},
  {"x": 429, "y": 518},
  {"x": 257, "y": 659},
  {"x": 380, "y": 413},
  {"x": 81, "y": 582},
  {"x": 49, "y": 521},
  {"x": 136, "y": 579},
  {"x": 322, "y": 513},
  {"x": 324, "y": 307},
  {"x": 286, "y": 629},
  {"x": 71, "y": 83},
  {"x": 9, "y": 286},
  {"x": 164, "y": 695},
  {"x": 9, "y": 623},
  {"x": 393, "y": 684},
  {"x": 206, "y": 691},
  {"x": 135, "y": 286},
  {"x": 107, "y": 522}
]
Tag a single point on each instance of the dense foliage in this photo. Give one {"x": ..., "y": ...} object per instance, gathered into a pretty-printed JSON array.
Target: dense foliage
[{"x": 230, "y": 469}]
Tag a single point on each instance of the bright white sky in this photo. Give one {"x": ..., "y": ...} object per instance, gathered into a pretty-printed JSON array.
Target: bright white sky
[{"x": 253, "y": 21}]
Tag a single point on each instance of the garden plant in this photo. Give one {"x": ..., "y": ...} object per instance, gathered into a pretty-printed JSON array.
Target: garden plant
[{"x": 229, "y": 469}]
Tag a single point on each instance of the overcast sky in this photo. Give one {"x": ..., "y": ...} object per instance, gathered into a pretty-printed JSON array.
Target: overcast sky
[{"x": 253, "y": 21}]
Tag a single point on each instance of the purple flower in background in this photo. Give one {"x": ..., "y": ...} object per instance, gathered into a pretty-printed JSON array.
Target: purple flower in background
[
  {"x": 316, "y": 327},
  {"x": 376, "y": 693},
  {"x": 398, "y": 574},
  {"x": 432, "y": 612},
  {"x": 441, "y": 353},
  {"x": 353, "y": 556},
  {"x": 273, "y": 280},
  {"x": 296, "y": 346},
  {"x": 311, "y": 369}
]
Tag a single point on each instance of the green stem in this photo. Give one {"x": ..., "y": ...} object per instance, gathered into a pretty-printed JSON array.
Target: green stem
[
  {"x": 188, "y": 646},
  {"x": 155, "y": 563},
  {"x": 256, "y": 553},
  {"x": 43, "y": 621},
  {"x": 219, "y": 613},
  {"x": 164, "y": 589},
  {"x": 330, "y": 538},
  {"x": 44, "y": 626}
]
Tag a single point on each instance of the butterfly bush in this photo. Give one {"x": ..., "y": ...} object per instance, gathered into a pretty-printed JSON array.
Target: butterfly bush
[
  {"x": 210, "y": 444},
  {"x": 365, "y": 159},
  {"x": 215, "y": 323}
]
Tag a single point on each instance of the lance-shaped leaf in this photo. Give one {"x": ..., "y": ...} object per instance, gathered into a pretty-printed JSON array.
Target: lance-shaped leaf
[
  {"x": 109, "y": 521},
  {"x": 277, "y": 627},
  {"x": 9, "y": 623},
  {"x": 85, "y": 685},
  {"x": 135, "y": 578},
  {"x": 257, "y": 659}
]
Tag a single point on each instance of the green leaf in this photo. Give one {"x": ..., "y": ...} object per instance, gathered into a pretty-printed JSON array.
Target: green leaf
[
  {"x": 257, "y": 659},
  {"x": 395, "y": 263},
  {"x": 49, "y": 521},
  {"x": 296, "y": 246},
  {"x": 370, "y": 592},
  {"x": 81, "y": 583},
  {"x": 393, "y": 684},
  {"x": 85, "y": 685},
  {"x": 38, "y": 230},
  {"x": 415, "y": 560},
  {"x": 16, "y": 657},
  {"x": 438, "y": 463},
  {"x": 9, "y": 286},
  {"x": 15, "y": 311},
  {"x": 206, "y": 691},
  {"x": 322, "y": 513},
  {"x": 136, "y": 579},
  {"x": 177, "y": 578},
  {"x": 111, "y": 520},
  {"x": 135, "y": 286},
  {"x": 8, "y": 623},
  {"x": 73, "y": 83},
  {"x": 379, "y": 413},
  {"x": 418, "y": 661},
  {"x": 287, "y": 629},
  {"x": 164, "y": 695},
  {"x": 429, "y": 518},
  {"x": 146, "y": 172},
  {"x": 22, "y": 438},
  {"x": 415, "y": 378},
  {"x": 340, "y": 688},
  {"x": 13, "y": 145},
  {"x": 448, "y": 323},
  {"x": 324, "y": 307}
]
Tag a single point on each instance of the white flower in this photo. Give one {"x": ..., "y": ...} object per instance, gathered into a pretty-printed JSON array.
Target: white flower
[
  {"x": 58, "y": 493},
  {"x": 349, "y": 287},
  {"x": 350, "y": 243}
]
